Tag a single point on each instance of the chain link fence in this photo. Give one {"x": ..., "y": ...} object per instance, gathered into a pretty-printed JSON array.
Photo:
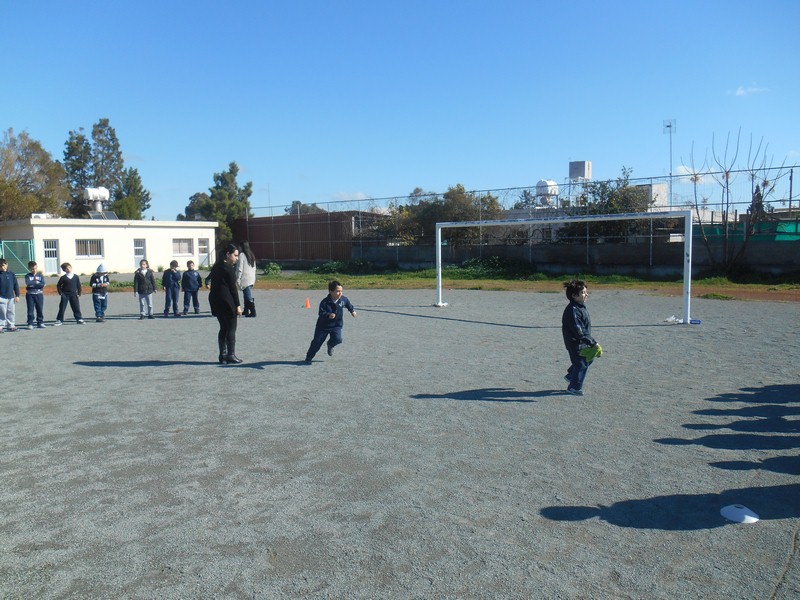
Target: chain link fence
[{"x": 367, "y": 227}]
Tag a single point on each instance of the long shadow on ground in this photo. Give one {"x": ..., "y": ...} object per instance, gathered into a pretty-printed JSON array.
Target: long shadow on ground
[
  {"x": 686, "y": 512},
  {"x": 765, "y": 427},
  {"x": 172, "y": 363},
  {"x": 490, "y": 395}
]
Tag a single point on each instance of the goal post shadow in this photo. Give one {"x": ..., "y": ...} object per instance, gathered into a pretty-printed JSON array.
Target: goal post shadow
[{"x": 686, "y": 215}]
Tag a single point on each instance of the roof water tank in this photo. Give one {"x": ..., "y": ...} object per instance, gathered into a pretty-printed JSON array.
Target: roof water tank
[
  {"x": 96, "y": 194},
  {"x": 546, "y": 187}
]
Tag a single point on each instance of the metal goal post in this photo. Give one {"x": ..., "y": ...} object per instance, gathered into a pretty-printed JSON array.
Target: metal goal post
[{"x": 687, "y": 242}]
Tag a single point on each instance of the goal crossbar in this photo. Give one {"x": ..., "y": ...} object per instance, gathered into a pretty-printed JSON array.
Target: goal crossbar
[{"x": 686, "y": 215}]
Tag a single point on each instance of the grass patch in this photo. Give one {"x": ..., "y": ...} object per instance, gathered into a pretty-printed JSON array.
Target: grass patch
[{"x": 715, "y": 296}]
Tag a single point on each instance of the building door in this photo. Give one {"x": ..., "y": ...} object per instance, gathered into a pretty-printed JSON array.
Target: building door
[
  {"x": 139, "y": 252},
  {"x": 50, "y": 266},
  {"x": 202, "y": 253}
]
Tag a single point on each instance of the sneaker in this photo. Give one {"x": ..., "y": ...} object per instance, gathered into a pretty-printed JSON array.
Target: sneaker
[
  {"x": 80, "y": 321},
  {"x": 178, "y": 314},
  {"x": 197, "y": 311},
  {"x": 58, "y": 323},
  {"x": 166, "y": 314},
  {"x": 150, "y": 317},
  {"x": 98, "y": 320},
  {"x": 12, "y": 329},
  {"x": 330, "y": 350},
  {"x": 567, "y": 379},
  {"x": 141, "y": 317},
  {"x": 41, "y": 326},
  {"x": 30, "y": 327},
  {"x": 574, "y": 392}
]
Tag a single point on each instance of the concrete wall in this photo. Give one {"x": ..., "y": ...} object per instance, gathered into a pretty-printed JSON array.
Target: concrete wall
[{"x": 118, "y": 241}]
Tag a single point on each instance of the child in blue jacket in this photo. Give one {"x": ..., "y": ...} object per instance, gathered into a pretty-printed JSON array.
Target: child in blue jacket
[
  {"x": 576, "y": 328},
  {"x": 171, "y": 282},
  {"x": 191, "y": 282},
  {"x": 330, "y": 320},
  {"x": 34, "y": 296}
]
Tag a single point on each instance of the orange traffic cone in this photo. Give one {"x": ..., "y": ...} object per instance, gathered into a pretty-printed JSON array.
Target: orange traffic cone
[{"x": 308, "y": 303}]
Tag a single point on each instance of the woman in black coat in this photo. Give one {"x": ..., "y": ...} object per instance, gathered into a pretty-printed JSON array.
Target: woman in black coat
[{"x": 224, "y": 301}]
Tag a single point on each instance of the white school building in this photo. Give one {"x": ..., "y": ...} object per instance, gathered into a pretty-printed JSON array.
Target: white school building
[{"x": 119, "y": 245}]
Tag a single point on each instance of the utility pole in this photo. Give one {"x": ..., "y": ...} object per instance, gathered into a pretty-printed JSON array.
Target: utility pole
[{"x": 669, "y": 127}]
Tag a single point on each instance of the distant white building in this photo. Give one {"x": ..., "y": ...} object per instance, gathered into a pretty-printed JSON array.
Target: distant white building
[{"x": 119, "y": 245}]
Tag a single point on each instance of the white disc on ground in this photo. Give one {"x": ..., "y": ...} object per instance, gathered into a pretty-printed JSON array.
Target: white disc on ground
[{"x": 739, "y": 514}]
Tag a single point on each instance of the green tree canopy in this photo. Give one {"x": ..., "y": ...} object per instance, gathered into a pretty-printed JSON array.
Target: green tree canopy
[
  {"x": 131, "y": 188},
  {"x": 99, "y": 163},
  {"x": 126, "y": 208},
  {"x": 607, "y": 198},
  {"x": 415, "y": 221},
  {"x": 31, "y": 181},
  {"x": 79, "y": 171},
  {"x": 298, "y": 208},
  {"x": 224, "y": 203},
  {"x": 106, "y": 157}
]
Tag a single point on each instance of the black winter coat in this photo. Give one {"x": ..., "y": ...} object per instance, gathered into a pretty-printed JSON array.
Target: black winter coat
[{"x": 224, "y": 294}]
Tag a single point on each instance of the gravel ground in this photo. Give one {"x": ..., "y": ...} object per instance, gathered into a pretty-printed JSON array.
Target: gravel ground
[{"x": 435, "y": 455}]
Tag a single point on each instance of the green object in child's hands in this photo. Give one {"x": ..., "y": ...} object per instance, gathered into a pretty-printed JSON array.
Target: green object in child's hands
[{"x": 591, "y": 352}]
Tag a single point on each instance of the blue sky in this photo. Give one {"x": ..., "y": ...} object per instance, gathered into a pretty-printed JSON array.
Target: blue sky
[{"x": 321, "y": 101}]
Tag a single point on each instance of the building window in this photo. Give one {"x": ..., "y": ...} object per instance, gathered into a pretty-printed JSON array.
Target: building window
[
  {"x": 89, "y": 248},
  {"x": 183, "y": 247}
]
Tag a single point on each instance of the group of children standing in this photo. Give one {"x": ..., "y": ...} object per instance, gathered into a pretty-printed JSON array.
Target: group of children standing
[
  {"x": 69, "y": 290},
  {"x": 172, "y": 282}
]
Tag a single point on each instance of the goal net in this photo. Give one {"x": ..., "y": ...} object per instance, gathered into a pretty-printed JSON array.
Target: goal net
[{"x": 686, "y": 215}]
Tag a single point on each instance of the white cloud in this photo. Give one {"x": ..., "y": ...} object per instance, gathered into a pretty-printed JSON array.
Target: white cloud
[
  {"x": 747, "y": 91},
  {"x": 350, "y": 196}
]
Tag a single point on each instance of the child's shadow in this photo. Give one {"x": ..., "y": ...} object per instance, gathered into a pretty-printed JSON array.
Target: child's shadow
[
  {"x": 140, "y": 363},
  {"x": 172, "y": 363},
  {"x": 494, "y": 394}
]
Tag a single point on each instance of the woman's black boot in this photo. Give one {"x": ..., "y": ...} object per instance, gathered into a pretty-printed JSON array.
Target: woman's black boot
[{"x": 232, "y": 359}]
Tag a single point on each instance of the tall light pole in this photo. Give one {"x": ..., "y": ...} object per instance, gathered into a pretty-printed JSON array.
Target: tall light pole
[{"x": 669, "y": 127}]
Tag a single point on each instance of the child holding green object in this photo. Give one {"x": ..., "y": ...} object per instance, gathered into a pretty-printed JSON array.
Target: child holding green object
[{"x": 576, "y": 328}]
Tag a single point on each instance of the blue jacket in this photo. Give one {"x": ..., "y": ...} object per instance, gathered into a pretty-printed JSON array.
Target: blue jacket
[
  {"x": 34, "y": 284},
  {"x": 171, "y": 279},
  {"x": 576, "y": 326},
  {"x": 191, "y": 281},
  {"x": 9, "y": 288},
  {"x": 328, "y": 307}
]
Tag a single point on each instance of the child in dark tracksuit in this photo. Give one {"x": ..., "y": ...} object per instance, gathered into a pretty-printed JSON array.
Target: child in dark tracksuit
[
  {"x": 69, "y": 288},
  {"x": 576, "y": 328},
  {"x": 191, "y": 282},
  {"x": 330, "y": 320},
  {"x": 171, "y": 282},
  {"x": 34, "y": 296}
]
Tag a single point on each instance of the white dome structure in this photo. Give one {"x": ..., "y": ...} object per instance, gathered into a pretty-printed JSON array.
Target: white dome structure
[{"x": 546, "y": 191}]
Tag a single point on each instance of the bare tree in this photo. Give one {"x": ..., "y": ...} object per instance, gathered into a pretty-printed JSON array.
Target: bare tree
[
  {"x": 696, "y": 177},
  {"x": 763, "y": 181},
  {"x": 726, "y": 161}
]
